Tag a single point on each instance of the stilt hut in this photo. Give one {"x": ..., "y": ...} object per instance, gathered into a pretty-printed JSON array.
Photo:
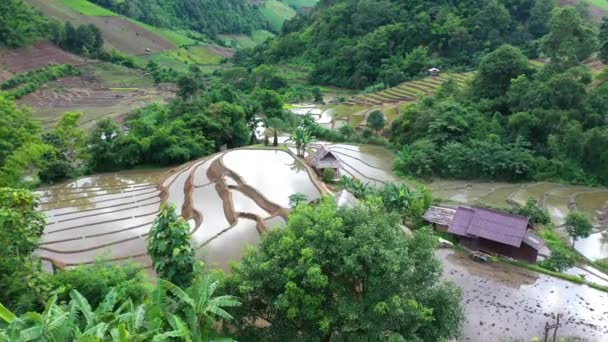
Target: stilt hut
[{"x": 325, "y": 159}]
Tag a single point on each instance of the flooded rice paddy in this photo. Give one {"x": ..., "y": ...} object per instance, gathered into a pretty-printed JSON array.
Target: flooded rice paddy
[
  {"x": 230, "y": 199},
  {"x": 505, "y": 303}
]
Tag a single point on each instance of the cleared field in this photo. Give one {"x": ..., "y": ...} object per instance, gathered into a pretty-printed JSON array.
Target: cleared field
[
  {"x": 36, "y": 56},
  {"x": 120, "y": 33},
  {"x": 103, "y": 91},
  {"x": 276, "y": 12}
]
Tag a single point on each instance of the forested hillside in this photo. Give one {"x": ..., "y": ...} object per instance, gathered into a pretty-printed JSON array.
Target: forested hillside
[
  {"x": 357, "y": 43},
  {"x": 208, "y": 17},
  {"x": 20, "y": 24}
]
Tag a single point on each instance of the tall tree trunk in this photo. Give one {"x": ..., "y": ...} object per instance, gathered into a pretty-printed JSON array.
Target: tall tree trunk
[{"x": 275, "y": 142}]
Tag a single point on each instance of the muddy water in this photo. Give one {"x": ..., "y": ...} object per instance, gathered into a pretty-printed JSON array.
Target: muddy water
[
  {"x": 503, "y": 301},
  {"x": 594, "y": 247},
  {"x": 230, "y": 245},
  {"x": 208, "y": 203},
  {"x": 275, "y": 174},
  {"x": 243, "y": 204}
]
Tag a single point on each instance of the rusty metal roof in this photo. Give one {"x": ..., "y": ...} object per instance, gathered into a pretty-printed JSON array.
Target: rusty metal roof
[
  {"x": 489, "y": 224},
  {"x": 439, "y": 215}
]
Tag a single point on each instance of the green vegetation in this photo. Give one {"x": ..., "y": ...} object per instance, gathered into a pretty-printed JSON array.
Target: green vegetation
[
  {"x": 20, "y": 24},
  {"x": 578, "y": 225},
  {"x": 356, "y": 44},
  {"x": 170, "y": 247},
  {"x": 88, "y": 8},
  {"x": 276, "y": 13},
  {"x": 29, "y": 82},
  {"x": 376, "y": 120},
  {"x": 562, "y": 256},
  {"x": 513, "y": 123},
  {"x": 205, "y": 17},
  {"x": 344, "y": 272}
]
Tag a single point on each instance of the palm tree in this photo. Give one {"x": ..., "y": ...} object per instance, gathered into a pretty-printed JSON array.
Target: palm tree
[
  {"x": 301, "y": 137},
  {"x": 199, "y": 307}
]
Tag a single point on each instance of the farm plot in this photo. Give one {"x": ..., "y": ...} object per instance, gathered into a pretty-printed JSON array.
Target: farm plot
[
  {"x": 118, "y": 32},
  {"x": 94, "y": 99},
  {"x": 36, "y": 56},
  {"x": 229, "y": 199}
]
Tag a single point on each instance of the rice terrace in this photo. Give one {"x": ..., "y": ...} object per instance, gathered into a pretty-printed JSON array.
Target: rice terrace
[{"x": 306, "y": 170}]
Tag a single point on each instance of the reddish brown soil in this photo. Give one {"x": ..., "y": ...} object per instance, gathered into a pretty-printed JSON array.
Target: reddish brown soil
[{"x": 35, "y": 56}]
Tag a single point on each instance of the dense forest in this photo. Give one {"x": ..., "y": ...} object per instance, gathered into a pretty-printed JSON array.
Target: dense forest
[
  {"x": 208, "y": 17},
  {"x": 515, "y": 121},
  {"x": 358, "y": 43},
  {"x": 20, "y": 24}
]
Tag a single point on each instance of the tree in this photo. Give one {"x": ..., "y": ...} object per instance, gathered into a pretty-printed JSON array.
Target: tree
[
  {"x": 301, "y": 137},
  {"x": 603, "y": 40},
  {"x": 170, "y": 247},
  {"x": 275, "y": 124},
  {"x": 496, "y": 71},
  {"x": 534, "y": 212},
  {"x": 21, "y": 226},
  {"x": 347, "y": 131},
  {"x": 297, "y": 199},
  {"x": 198, "y": 306},
  {"x": 345, "y": 273},
  {"x": 569, "y": 40},
  {"x": 376, "y": 120},
  {"x": 317, "y": 95},
  {"x": 578, "y": 225}
]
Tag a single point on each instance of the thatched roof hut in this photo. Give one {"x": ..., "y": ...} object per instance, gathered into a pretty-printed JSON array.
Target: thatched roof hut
[{"x": 324, "y": 159}]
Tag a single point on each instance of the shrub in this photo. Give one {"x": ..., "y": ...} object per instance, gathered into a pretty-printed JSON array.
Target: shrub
[
  {"x": 534, "y": 212},
  {"x": 29, "y": 82},
  {"x": 329, "y": 175},
  {"x": 562, "y": 257}
]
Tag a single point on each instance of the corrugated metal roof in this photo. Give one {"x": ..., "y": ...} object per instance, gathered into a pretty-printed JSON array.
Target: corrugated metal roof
[
  {"x": 439, "y": 215},
  {"x": 489, "y": 224},
  {"x": 462, "y": 220}
]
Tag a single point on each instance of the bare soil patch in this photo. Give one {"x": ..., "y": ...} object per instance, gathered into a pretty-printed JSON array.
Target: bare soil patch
[
  {"x": 118, "y": 32},
  {"x": 36, "y": 56},
  {"x": 222, "y": 51}
]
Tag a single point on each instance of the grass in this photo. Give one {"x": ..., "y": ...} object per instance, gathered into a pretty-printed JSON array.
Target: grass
[
  {"x": 176, "y": 38},
  {"x": 243, "y": 41},
  {"x": 603, "y": 4},
  {"x": 124, "y": 89},
  {"x": 88, "y": 8},
  {"x": 391, "y": 114},
  {"x": 276, "y": 13},
  {"x": 182, "y": 58},
  {"x": 301, "y": 3}
]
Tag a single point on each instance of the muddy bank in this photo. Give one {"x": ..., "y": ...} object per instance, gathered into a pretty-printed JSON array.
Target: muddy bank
[{"x": 502, "y": 301}]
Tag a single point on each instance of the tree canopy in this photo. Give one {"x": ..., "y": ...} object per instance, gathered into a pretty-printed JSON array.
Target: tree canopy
[{"x": 344, "y": 273}]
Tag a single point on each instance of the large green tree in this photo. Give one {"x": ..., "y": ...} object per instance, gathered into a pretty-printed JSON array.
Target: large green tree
[
  {"x": 345, "y": 274},
  {"x": 578, "y": 225},
  {"x": 569, "y": 40},
  {"x": 496, "y": 71},
  {"x": 170, "y": 247}
]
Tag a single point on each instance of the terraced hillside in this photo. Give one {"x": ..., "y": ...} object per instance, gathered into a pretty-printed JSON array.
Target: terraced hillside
[
  {"x": 408, "y": 91},
  {"x": 130, "y": 36},
  {"x": 229, "y": 199},
  {"x": 103, "y": 90}
]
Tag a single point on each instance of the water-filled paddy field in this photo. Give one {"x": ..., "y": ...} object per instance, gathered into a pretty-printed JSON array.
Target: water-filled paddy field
[{"x": 230, "y": 199}]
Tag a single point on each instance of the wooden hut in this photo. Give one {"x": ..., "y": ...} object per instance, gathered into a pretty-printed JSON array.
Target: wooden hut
[
  {"x": 325, "y": 159},
  {"x": 434, "y": 72},
  {"x": 489, "y": 231}
]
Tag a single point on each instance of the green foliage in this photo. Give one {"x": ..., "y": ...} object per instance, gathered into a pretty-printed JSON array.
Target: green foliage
[
  {"x": 203, "y": 16},
  {"x": 376, "y": 120},
  {"x": 188, "y": 314},
  {"x": 569, "y": 39},
  {"x": 344, "y": 272},
  {"x": 84, "y": 40},
  {"x": 297, "y": 199},
  {"x": 534, "y": 212},
  {"x": 17, "y": 128},
  {"x": 399, "y": 198},
  {"x": 328, "y": 176},
  {"x": 496, "y": 71},
  {"x": 170, "y": 247},
  {"x": 31, "y": 81},
  {"x": 129, "y": 281},
  {"x": 562, "y": 257},
  {"x": 302, "y": 137},
  {"x": 20, "y": 24},
  {"x": 603, "y": 40},
  {"x": 360, "y": 43},
  {"x": 578, "y": 225},
  {"x": 21, "y": 226}
]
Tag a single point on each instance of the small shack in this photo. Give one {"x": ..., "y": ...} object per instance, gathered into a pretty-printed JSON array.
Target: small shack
[
  {"x": 325, "y": 159},
  {"x": 434, "y": 72},
  {"x": 490, "y": 231}
]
